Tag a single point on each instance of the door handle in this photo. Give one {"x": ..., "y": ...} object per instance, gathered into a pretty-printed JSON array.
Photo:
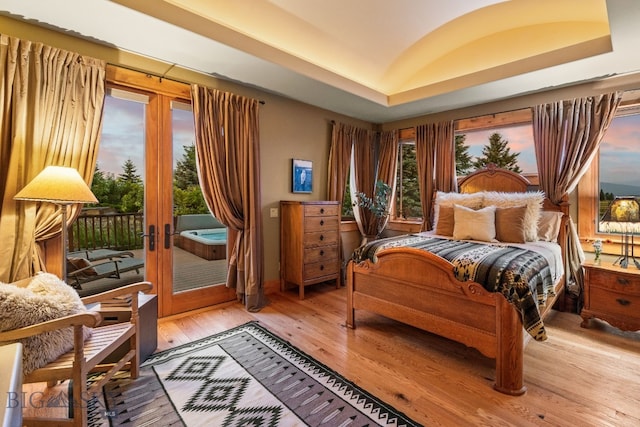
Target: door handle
[
  {"x": 152, "y": 237},
  {"x": 167, "y": 236}
]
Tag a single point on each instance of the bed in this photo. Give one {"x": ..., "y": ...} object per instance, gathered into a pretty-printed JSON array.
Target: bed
[{"x": 419, "y": 288}]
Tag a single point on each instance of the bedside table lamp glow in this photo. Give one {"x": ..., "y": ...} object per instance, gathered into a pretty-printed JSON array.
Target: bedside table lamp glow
[
  {"x": 625, "y": 211},
  {"x": 62, "y": 186}
]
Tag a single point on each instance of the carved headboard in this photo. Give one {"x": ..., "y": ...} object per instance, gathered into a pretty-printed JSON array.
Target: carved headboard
[{"x": 493, "y": 179}]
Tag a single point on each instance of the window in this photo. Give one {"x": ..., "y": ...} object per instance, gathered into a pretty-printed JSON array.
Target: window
[
  {"x": 509, "y": 147},
  {"x": 407, "y": 203},
  {"x": 613, "y": 173},
  {"x": 505, "y": 139}
]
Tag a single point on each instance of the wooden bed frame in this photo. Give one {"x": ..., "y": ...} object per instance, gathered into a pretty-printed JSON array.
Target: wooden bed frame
[{"x": 418, "y": 288}]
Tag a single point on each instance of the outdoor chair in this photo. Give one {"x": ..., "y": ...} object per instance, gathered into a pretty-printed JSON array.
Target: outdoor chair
[
  {"x": 99, "y": 254},
  {"x": 87, "y": 354},
  {"x": 82, "y": 270}
]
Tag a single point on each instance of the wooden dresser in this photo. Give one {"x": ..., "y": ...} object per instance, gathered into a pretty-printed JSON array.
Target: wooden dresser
[
  {"x": 612, "y": 294},
  {"x": 309, "y": 243}
]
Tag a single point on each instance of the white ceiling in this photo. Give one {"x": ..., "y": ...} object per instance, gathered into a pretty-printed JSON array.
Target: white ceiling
[{"x": 377, "y": 60}]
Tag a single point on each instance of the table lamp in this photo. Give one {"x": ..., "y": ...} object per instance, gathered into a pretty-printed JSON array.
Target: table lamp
[
  {"x": 62, "y": 186},
  {"x": 625, "y": 211}
]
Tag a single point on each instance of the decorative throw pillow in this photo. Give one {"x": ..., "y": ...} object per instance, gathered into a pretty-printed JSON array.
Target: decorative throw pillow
[
  {"x": 474, "y": 225},
  {"x": 471, "y": 200},
  {"x": 510, "y": 224},
  {"x": 46, "y": 297},
  {"x": 532, "y": 200},
  {"x": 549, "y": 226},
  {"x": 444, "y": 227},
  {"x": 74, "y": 264}
]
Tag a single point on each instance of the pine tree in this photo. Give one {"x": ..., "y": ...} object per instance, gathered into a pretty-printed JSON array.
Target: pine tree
[
  {"x": 131, "y": 188},
  {"x": 186, "y": 173},
  {"x": 499, "y": 154},
  {"x": 129, "y": 175},
  {"x": 411, "y": 206},
  {"x": 187, "y": 195},
  {"x": 464, "y": 161}
]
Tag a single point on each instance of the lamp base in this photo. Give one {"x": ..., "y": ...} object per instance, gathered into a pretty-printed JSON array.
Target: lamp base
[{"x": 623, "y": 261}]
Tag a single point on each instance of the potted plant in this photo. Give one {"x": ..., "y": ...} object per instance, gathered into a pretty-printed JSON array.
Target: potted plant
[{"x": 378, "y": 206}]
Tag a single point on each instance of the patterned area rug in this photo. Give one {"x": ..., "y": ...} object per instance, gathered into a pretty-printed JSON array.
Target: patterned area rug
[{"x": 245, "y": 376}]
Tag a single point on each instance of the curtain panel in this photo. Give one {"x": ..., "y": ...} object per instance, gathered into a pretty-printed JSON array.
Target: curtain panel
[
  {"x": 567, "y": 135},
  {"x": 228, "y": 162},
  {"x": 388, "y": 163},
  {"x": 365, "y": 156},
  {"x": 339, "y": 160},
  {"x": 436, "y": 158},
  {"x": 51, "y": 104}
]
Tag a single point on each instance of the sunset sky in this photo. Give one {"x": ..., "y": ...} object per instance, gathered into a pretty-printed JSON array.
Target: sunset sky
[
  {"x": 123, "y": 135},
  {"x": 123, "y": 138}
]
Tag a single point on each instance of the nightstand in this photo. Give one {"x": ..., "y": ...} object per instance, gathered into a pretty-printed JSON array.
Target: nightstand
[{"x": 612, "y": 293}]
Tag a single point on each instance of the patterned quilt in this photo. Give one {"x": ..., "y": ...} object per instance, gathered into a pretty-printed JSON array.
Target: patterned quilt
[{"x": 523, "y": 276}]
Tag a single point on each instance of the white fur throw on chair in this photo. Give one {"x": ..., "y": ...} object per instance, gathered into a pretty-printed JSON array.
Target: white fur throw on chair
[{"x": 46, "y": 297}]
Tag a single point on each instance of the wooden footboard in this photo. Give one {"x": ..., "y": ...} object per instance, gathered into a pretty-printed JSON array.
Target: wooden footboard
[{"x": 418, "y": 288}]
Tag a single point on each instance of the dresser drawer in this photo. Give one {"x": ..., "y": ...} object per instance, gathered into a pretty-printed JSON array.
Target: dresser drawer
[
  {"x": 320, "y": 238},
  {"x": 614, "y": 303},
  {"x": 310, "y": 250},
  {"x": 614, "y": 280},
  {"x": 321, "y": 210},
  {"x": 320, "y": 253},
  {"x": 320, "y": 223},
  {"x": 318, "y": 269}
]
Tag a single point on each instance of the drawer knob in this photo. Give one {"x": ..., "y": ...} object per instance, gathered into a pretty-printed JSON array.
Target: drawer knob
[
  {"x": 321, "y": 237},
  {"x": 622, "y": 281},
  {"x": 321, "y": 210},
  {"x": 321, "y": 252},
  {"x": 623, "y": 301},
  {"x": 321, "y": 267},
  {"x": 322, "y": 222}
]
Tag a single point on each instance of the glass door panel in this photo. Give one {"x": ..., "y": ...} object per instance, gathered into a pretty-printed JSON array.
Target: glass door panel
[
  {"x": 147, "y": 186},
  {"x": 198, "y": 241},
  {"x": 113, "y": 228}
]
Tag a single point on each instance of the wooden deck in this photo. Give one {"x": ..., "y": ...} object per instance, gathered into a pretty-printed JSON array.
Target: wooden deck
[{"x": 191, "y": 272}]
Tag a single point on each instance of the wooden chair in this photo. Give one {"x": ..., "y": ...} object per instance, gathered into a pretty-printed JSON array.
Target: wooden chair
[{"x": 86, "y": 356}]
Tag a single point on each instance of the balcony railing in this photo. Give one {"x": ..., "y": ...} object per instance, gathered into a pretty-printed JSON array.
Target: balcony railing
[{"x": 120, "y": 231}]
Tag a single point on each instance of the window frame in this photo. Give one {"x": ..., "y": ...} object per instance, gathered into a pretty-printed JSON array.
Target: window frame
[{"x": 588, "y": 193}]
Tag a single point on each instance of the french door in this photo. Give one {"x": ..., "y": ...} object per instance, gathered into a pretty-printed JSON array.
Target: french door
[{"x": 157, "y": 142}]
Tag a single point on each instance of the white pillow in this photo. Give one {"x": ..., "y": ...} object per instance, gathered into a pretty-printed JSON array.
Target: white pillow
[
  {"x": 470, "y": 200},
  {"x": 532, "y": 200},
  {"x": 549, "y": 226},
  {"x": 474, "y": 225}
]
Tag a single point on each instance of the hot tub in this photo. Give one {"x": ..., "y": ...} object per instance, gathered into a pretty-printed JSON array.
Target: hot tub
[{"x": 208, "y": 243}]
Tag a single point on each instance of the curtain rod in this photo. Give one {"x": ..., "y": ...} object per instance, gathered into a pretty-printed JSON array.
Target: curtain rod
[
  {"x": 163, "y": 76},
  {"x": 260, "y": 101}
]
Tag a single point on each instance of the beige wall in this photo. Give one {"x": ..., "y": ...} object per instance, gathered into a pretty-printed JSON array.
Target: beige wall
[{"x": 288, "y": 129}]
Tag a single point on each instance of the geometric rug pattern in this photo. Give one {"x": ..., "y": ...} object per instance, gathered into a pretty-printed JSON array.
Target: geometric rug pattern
[{"x": 246, "y": 376}]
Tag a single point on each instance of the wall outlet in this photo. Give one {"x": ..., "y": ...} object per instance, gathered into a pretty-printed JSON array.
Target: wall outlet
[{"x": 273, "y": 213}]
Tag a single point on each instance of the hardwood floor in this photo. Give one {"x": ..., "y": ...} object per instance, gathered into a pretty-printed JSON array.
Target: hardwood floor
[
  {"x": 578, "y": 377},
  {"x": 585, "y": 377}
]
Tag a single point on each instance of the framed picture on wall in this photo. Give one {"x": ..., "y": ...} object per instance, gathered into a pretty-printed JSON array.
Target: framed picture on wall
[{"x": 301, "y": 176}]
